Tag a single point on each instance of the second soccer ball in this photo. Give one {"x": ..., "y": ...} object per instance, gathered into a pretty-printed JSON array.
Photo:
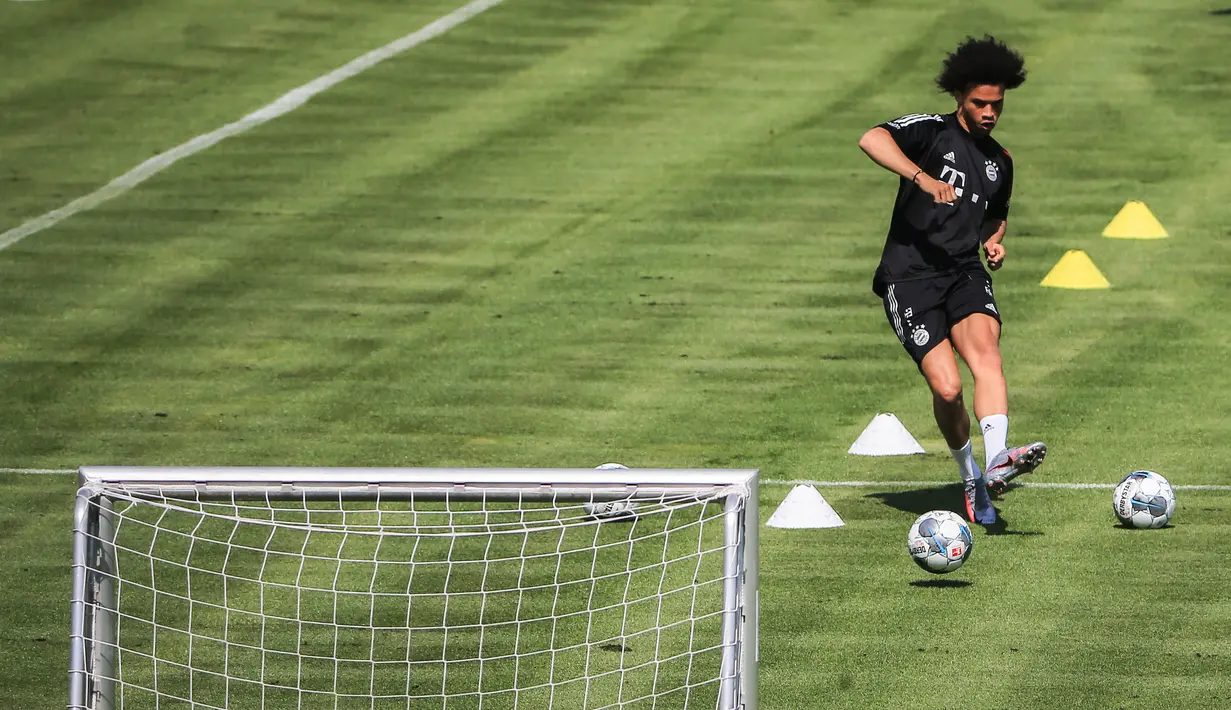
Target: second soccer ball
[{"x": 1144, "y": 499}]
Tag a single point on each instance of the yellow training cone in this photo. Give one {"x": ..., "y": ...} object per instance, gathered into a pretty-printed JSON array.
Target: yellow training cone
[
  {"x": 1075, "y": 270},
  {"x": 1135, "y": 221}
]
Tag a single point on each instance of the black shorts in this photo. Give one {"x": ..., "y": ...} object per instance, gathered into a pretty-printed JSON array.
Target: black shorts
[{"x": 922, "y": 311}]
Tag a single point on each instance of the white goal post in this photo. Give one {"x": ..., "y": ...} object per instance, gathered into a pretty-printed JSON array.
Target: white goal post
[{"x": 200, "y": 588}]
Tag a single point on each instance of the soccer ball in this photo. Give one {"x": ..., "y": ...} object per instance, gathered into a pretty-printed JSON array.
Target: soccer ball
[
  {"x": 1144, "y": 499},
  {"x": 608, "y": 510},
  {"x": 939, "y": 541}
]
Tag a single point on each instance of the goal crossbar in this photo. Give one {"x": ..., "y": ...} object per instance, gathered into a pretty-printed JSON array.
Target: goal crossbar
[
  {"x": 95, "y": 617},
  {"x": 288, "y": 483}
]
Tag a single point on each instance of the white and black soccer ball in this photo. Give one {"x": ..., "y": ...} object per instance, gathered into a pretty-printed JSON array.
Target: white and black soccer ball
[
  {"x": 939, "y": 541},
  {"x": 1144, "y": 499},
  {"x": 612, "y": 509}
]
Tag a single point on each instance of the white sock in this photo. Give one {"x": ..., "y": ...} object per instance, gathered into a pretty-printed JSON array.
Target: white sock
[
  {"x": 995, "y": 433},
  {"x": 966, "y": 462}
]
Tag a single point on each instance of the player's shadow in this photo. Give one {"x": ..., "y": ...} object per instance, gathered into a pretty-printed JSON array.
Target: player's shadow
[
  {"x": 948, "y": 497},
  {"x": 941, "y": 583}
]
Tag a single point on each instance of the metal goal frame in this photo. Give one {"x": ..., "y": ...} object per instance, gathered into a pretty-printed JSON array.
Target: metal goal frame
[{"x": 93, "y": 606}]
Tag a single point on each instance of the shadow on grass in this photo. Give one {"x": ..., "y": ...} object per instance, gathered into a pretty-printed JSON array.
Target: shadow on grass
[
  {"x": 941, "y": 583},
  {"x": 1129, "y": 528},
  {"x": 948, "y": 497}
]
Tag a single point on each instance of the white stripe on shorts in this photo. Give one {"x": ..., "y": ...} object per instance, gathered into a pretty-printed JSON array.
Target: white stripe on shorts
[{"x": 897, "y": 321}]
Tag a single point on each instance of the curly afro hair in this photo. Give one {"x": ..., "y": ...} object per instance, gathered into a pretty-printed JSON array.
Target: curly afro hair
[{"x": 977, "y": 62}]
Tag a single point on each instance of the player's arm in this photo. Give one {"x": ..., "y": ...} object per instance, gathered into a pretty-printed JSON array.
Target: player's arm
[
  {"x": 881, "y": 146},
  {"x": 996, "y": 221},
  {"x": 992, "y": 248}
]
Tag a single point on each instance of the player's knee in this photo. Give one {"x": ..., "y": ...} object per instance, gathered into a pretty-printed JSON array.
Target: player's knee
[{"x": 947, "y": 390}]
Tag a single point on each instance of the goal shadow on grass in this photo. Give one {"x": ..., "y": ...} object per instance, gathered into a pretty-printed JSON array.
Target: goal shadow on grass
[{"x": 949, "y": 497}]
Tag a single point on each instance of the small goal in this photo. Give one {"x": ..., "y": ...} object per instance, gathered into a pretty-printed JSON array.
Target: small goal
[{"x": 414, "y": 589}]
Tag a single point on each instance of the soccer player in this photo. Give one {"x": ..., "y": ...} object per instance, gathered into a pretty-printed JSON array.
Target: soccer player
[{"x": 953, "y": 198}]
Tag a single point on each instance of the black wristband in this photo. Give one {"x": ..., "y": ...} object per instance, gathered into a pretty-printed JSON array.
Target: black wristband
[{"x": 916, "y": 177}]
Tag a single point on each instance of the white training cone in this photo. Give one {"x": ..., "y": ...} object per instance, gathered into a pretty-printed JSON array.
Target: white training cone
[
  {"x": 804, "y": 507},
  {"x": 885, "y": 436}
]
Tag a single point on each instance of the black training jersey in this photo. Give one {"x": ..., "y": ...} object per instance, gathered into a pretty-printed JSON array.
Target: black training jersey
[{"x": 927, "y": 239}]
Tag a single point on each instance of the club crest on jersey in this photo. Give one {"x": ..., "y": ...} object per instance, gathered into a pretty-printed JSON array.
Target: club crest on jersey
[
  {"x": 992, "y": 171},
  {"x": 920, "y": 336}
]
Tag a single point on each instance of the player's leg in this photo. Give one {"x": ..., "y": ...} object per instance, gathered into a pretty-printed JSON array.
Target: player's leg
[
  {"x": 976, "y": 335},
  {"x": 977, "y": 339},
  {"x": 915, "y": 310},
  {"x": 939, "y": 369}
]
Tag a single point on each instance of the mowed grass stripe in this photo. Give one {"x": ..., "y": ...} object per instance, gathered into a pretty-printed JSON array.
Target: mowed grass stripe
[
  {"x": 93, "y": 90},
  {"x": 284, "y": 104}
]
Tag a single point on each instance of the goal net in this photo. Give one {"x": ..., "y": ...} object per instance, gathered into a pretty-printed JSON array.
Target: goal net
[{"x": 413, "y": 589}]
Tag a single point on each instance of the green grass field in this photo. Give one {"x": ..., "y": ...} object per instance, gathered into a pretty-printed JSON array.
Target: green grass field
[{"x": 570, "y": 231}]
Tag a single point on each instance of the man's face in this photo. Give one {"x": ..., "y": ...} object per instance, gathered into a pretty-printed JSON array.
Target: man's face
[{"x": 980, "y": 108}]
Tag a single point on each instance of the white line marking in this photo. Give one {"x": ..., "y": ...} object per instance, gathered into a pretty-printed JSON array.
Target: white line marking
[
  {"x": 937, "y": 484},
  {"x": 286, "y": 103},
  {"x": 799, "y": 481}
]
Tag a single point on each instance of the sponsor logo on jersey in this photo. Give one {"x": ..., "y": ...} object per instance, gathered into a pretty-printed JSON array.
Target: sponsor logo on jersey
[
  {"x": 951, "y": 157},
  {"x": 992, "y": 307},
  {"x": 954, "y": 176}
]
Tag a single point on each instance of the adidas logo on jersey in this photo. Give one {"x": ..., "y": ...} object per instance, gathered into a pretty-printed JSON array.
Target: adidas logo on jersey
[{"x": 951, "y": 157}]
